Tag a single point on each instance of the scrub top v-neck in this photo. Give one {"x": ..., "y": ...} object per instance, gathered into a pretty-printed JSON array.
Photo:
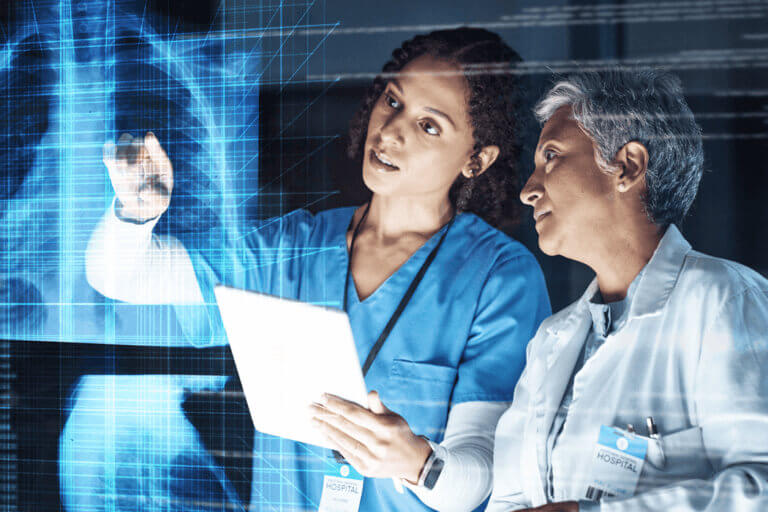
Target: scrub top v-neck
[
  {"x": 395, "y": 284},
  {"x": 462, "y": 336},
  {"x": 422, "y": 254}
]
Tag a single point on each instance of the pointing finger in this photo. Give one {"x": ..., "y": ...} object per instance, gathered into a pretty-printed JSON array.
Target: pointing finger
[
  {"x": 156, "y": 151},
  {"x": 161, "y": 165}
]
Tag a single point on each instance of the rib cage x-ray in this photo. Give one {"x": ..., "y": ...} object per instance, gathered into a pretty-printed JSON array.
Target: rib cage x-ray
[
  {"x": 108, "y": 405},
  {"x": 76, "y": 74}
]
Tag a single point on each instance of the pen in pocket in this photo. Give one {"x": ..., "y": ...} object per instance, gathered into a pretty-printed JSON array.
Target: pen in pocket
[{"x": 653, "y": 433}]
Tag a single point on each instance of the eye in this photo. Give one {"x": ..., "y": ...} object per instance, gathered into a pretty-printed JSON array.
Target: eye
[
  {"x": 549, "y": 155},
  {"x": 391, "y": 102},
  {"x": 429, "y": 128}
]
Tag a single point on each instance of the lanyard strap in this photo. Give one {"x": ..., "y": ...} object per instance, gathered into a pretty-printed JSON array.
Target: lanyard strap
[{"x": 406, "y": 298}]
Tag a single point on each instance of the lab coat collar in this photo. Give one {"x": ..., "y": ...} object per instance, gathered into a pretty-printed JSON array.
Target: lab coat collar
[
  {"x": 653, "y": 290},
  {"x": 573, "y": 320},
  {"x": 660, "y": 275}
]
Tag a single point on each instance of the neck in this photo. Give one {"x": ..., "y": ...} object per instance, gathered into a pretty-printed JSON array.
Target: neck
[
  {"x": 621, "y": 255},
  {"x": 393, "y": 217}
]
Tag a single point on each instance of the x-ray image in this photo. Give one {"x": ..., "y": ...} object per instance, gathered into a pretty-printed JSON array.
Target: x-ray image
[{"x": 76, "y": 75}]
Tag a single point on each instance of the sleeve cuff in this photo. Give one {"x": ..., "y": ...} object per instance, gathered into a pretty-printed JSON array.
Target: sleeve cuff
[{"x": 113, "y": 213}]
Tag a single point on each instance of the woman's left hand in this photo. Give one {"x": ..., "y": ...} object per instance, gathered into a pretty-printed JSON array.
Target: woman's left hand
[
  {"x": 563, "y": 506},
  {"x": 376, "y": 441}
]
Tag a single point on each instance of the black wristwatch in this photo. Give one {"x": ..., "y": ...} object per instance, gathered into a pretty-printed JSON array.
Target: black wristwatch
[{"x": 432, "y": 468}]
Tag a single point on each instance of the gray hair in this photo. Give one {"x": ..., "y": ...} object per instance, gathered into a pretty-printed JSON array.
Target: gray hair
[{"x": 643, "y": 105}]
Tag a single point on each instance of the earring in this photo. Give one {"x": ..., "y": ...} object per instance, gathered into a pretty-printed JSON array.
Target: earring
[{"x": 622, "y": 187}]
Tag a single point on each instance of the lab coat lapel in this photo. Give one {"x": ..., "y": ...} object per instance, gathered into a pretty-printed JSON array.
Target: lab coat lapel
[
  {"x": 561, "y": 360},
  {"x": 564, "y": 342}
]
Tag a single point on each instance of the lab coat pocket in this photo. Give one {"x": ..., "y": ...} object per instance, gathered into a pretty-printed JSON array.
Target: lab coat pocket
[
  {"x": 420, "y": 393},
  {"x": 684, "y": 457}
]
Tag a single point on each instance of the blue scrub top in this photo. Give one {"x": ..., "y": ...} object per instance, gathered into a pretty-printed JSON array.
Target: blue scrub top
[{"x": 462, "y": 337}]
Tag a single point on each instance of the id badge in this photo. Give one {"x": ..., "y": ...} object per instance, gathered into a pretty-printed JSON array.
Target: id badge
[
  {"x": 616, "y": 463},
  {"x": 342, "y": 489}
]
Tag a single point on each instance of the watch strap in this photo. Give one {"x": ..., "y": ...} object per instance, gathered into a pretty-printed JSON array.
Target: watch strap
[
  {"x": 432, "y": 468},
  {"x": 433, "y": 474}
]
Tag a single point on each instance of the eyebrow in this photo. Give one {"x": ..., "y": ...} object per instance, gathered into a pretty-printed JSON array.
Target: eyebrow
[
  {"x": 397, "y": 86},
  {"x": 551, "y": 137},
  {"x": 441, "y": 114}
]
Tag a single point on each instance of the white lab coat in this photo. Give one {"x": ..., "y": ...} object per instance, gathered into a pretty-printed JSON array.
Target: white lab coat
[{"x": 693, "y": 354}]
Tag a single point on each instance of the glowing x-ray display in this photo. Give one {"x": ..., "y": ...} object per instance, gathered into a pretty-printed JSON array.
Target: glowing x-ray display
[{"x": 73, "y": 75}]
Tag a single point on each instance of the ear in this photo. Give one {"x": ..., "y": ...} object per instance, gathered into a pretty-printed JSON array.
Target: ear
[
  {"x": 632, "y": 159},
  {"x": 480, "y": 162}
]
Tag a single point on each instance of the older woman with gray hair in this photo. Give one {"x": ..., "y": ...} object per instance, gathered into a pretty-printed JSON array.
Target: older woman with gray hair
[{"x": 651, "y": 391}]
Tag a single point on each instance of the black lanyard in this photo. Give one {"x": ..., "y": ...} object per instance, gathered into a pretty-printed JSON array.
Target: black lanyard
[{"x": 406, "y": 298}]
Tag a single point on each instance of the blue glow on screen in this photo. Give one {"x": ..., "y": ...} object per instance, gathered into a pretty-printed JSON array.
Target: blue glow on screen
[
  {"x": 76, "y": 74},
  {"x": 73, "y": 75}
]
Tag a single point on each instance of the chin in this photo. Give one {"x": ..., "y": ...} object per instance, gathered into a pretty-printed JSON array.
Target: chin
[
  {"x": 377, "y": 183},
  {"x": 368, "y": 180},
  {"x": 549, "y": 251}
]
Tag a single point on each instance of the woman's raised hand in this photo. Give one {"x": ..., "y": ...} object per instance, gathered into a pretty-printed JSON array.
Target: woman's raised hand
[{"x": 142, "y": 176}]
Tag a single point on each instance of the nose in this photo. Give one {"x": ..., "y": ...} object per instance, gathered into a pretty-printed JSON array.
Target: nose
[
  {"x": 392, "y": 130},
  {"x": 532, "y": 191}
]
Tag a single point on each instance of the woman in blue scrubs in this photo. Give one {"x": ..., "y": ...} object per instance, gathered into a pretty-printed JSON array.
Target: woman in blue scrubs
[{"x": 441, "y": 303}]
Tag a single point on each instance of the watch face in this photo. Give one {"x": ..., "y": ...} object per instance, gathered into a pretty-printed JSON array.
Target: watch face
[{"x": 433, "y": 474}]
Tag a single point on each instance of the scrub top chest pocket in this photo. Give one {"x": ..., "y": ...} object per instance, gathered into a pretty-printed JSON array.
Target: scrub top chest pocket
[{"x": 420, "y": 393}]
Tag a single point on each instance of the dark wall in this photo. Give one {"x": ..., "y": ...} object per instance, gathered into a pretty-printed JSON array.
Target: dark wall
[{"x": 717, "y": 50}]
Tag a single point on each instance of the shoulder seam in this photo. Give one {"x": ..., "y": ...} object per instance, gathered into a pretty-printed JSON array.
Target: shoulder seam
[{"x": 734, "y": 296}]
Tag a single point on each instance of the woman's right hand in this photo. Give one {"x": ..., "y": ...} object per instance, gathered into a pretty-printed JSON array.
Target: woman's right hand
[{"x": 142, "y": 176}]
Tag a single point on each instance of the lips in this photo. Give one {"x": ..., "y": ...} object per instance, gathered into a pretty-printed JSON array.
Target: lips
[
  {"x": 537, "y": 216},
  {"x": 382, "y": 162}
]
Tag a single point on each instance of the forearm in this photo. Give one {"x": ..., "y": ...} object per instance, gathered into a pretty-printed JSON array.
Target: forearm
[
  {"x": 125, "y": 261},
  {"x": 467, "y": 450}
]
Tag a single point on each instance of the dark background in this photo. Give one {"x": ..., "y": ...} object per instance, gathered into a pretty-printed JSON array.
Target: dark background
[{"x": 719, "y": 50}]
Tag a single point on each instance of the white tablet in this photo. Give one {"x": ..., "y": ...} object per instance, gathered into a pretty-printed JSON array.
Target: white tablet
[{"x": 287, "y": 354}]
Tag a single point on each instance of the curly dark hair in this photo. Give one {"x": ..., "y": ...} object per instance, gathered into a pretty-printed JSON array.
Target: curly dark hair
[{"x": 494, "y": 103}]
